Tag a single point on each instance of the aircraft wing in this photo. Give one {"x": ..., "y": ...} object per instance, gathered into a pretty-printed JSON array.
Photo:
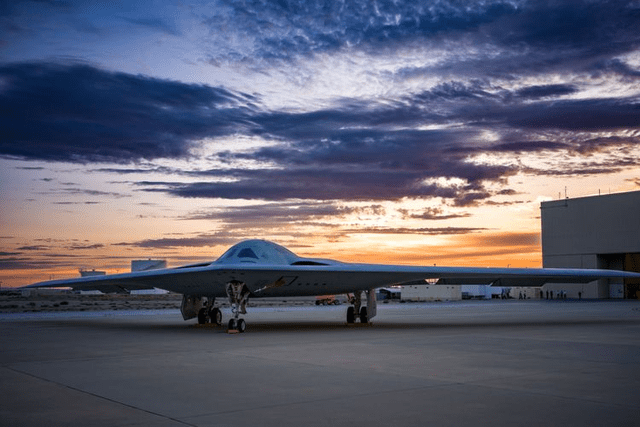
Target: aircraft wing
[
  {"x": 330, "y": 278},
  {"x": 268, "y": 269}
]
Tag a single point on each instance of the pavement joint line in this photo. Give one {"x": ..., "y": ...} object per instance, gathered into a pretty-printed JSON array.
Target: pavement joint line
[{"x": 88, "y": 393}]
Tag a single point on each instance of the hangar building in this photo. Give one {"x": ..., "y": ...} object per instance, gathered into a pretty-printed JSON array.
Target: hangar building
[{"x": 593, "y": 232}]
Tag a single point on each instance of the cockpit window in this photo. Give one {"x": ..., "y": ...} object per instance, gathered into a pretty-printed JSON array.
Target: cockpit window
[
  {"x": 229, "y": 253},
  {"x": 247, "y": 253}
]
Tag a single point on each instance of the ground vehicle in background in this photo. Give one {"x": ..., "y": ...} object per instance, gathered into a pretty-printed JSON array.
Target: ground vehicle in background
[{"x": 328, "y": 300}]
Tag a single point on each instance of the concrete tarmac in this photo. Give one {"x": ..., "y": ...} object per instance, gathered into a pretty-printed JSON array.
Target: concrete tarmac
[{"x": 493, "y": 363}]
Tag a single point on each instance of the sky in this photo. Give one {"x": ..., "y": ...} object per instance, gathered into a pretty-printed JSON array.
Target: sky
[{"x": 398, "y": 132}]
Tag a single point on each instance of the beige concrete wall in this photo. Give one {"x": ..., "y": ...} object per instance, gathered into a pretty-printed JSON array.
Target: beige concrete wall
[
  {"x": 591, "y": 225},
  {"x": 590, "y": 232}
]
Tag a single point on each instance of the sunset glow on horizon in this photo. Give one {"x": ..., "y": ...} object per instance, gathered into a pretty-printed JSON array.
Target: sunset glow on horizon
[{"x": 385, "y": 132}]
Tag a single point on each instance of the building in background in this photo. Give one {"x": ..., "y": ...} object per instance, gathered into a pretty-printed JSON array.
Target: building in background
[
  {"x": 147, "y": 264},
  {"x": 417, "y": 291},
  {"x": 593, "y": 232}
]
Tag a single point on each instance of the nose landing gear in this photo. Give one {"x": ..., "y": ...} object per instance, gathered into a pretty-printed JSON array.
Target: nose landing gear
[{"x": 238, "y": 294}]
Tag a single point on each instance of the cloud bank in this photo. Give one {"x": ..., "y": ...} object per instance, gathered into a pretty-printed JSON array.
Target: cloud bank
[{"x": 497, "y": 78}]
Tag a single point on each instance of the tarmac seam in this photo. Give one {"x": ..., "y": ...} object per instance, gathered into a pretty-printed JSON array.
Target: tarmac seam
[{"x": 88, "y": 393}]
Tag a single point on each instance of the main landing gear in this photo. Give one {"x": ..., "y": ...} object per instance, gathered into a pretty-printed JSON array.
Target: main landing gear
[
  {"x": 209, "y": 313},
  {"x": 364, "y": 314},
  {"x": 213, "y": 316}
]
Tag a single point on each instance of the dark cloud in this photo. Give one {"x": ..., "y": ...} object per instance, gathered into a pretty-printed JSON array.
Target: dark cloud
[
  {"x": 285, "y": 29},
  {"x": 435, "y": 231},
  {"x": 320, "y": 184},
  {"x": 574, "y": 115},
  {"x": 33, "y": 248},
  {"x": 282, "y": 213},
  {"x": 202, "y": 240},
  {"x": 521, "y": 109},
  {"x": 41, "y": 262},
  {"x": 535, "y": 92},
  {"x": 576, "y": 25},
  {"x": 431, "y": 214},
  {"x": 542, "y": 37},
  {"x": 289, "y": 28},
  {"x": 79, "y": 113},
  {"x": 3, "y": 254},
  {"x": 87, "y": 192},
  {"x": 371, "y": 153},
  {"x": 505, "y": 39},
  {"x": 354, "y": 150},
  {"x": 615, "y": 66},
  {"x": 21, "y": 263},
  {"x": 77, "y": 247}
]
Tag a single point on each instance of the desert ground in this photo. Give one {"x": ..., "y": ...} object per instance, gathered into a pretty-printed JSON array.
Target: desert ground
[{"x": 39, "y": 300}]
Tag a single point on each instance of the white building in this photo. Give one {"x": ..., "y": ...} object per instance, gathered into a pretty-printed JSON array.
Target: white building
[{"x": 421, "y": 292}]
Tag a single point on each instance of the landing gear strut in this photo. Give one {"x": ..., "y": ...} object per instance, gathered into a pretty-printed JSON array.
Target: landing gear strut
[
  {"x": 238, "y": 294},
  {"x": 364, "y": 314}
]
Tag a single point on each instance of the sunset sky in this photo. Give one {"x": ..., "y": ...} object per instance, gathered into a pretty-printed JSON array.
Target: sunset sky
[{"x": 375, "y": 131}]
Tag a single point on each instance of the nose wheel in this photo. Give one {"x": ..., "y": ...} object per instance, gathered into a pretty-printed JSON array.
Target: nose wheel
[{"x": 237, "y": 325}]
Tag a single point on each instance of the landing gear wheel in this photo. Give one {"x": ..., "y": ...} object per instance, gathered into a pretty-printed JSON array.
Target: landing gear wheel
[
  {"x": 232, "y": 324},
  {"x": 363, "y": 315},
  {"x": 216, "y": 316},
  {"x": 202, "y": 316},
  {"x": 351, "y": 316},
  {"x": 241, "y": 325}
]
